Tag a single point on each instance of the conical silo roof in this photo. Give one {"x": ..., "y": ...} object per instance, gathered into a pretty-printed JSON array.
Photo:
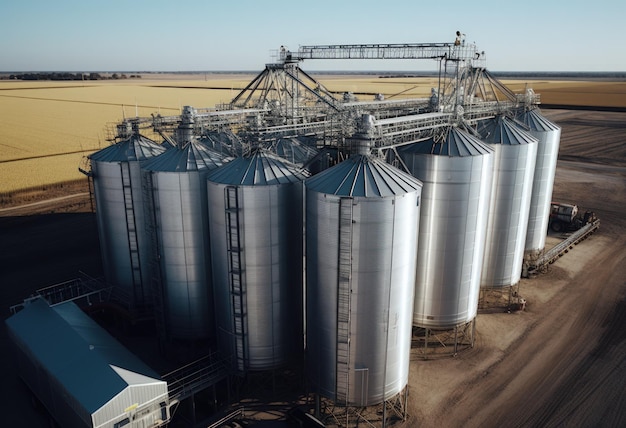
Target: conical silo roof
[
  {"x": 294, "y": 150},
  {"x": 454, "y": 143},
  {"x": 363, "y": 176},
  {"x": 502, "y": 130},
  {"x": 537, "y": 122},
  {"x": 135, "y": 148},
  {"x": 223, "y": 142},
  {"x": 261, "y": 168},
  {"x": 192, "y": 157}
]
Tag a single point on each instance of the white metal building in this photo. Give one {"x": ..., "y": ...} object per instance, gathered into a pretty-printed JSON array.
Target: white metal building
[{"x": 81, "y": 374}]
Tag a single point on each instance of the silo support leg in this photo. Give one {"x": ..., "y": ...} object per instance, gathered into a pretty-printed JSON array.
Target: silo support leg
[
  {"x": 473, "y": 332},
  {"x": 317, "y": 406},
  {"x": 384, "y": 414}
]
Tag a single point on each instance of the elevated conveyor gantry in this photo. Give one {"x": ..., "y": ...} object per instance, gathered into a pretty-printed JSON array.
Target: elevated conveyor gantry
[
  {"x": 436, "y": 51},
  {"x": 284, "y": 101}
]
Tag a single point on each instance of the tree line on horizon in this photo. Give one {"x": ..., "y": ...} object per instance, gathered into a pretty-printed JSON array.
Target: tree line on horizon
[{"x": 70, "y": 76}]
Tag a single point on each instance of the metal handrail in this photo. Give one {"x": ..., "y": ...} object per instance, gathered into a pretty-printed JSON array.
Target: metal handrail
[
  {"x": 196, "y": 376},
  {"x": 235, "y": 414}
]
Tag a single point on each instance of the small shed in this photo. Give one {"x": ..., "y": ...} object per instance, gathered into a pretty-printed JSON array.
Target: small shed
[{"x": 82, "y": 375}]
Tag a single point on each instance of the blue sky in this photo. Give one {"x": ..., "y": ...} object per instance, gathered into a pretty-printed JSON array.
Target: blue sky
[{"x": 193, "y": 35}]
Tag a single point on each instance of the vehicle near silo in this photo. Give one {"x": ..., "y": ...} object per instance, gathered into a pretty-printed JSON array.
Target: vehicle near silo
[
  {"x": 81, "y": 374},
  {"x": 177, "y": 218},
  {"x": 456, "y": 169},
  {"x": 515, "y": 153},
  {"x": 567, "y": 217},
  {"x": 119, "y": 194},
  {"x": 549, "y": 136},
  {"x": 255, "y": 216},
  {"x": 362, "y": 219}
]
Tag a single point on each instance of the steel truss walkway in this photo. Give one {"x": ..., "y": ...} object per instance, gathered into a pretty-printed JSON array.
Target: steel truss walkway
[{"x": 438, "y": 51}]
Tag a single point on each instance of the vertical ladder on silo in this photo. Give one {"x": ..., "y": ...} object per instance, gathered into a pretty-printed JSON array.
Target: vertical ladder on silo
[
  {"x": 235, "y": 271},
  {"x": 151, "y": 226},
  {"x": 131, "y": 228},
  {"x": 344, "y": 281},
  {"x": 85, "y": 168}
]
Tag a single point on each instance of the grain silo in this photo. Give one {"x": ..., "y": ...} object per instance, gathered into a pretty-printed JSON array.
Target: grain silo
[
  {"x": 514, "y": 157},
  {"x": 456, "y": 169},
  {"x": 297, "y": 150},
  {"x": 362, "y": 219},
  {"x": 225, "y": 142},
  {"x": 177, "y": 204},
  {"x": 119, "y": 194},
  {"x": 255, "y": 215},
  {"x": 549, "y": 136}
]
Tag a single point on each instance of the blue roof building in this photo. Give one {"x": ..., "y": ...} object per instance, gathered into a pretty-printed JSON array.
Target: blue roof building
[{"x": 83, "y": 376}]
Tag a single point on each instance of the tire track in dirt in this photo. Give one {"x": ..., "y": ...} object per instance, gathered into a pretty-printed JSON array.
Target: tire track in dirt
[
  {"x": 589, "y": 389},
  {"x": 13, "y": 210},
  {"x": 65, "y": 100},
  {"x": 47, "y": 156},
  {"x": 574, "y": 370},
  {"x": 532, "y": 383}
]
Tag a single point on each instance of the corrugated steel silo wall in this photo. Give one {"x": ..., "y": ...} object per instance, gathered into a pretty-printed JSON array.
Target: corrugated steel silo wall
[
  {"x": 549, "y": 136},
  {"x": 126, "y": 260},
  {"x": 514, "y": 167},
  {"x": 383, "y": 258},
  {"x": 180, "y": 202},
  {"x": 452, "y": 232},
  {"x": 270, "y": 232}
]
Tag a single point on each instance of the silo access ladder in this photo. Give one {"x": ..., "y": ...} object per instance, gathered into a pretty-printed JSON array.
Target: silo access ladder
[
  {"x": 131, "y": 225},
  {"x": 235, "y": 271},
  {"x": 344, "y": 279}
]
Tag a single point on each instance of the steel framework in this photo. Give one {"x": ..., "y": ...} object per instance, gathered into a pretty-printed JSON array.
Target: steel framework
[
  {"x": 434, "y": 343},
  {"x": 283, "y": 101},
  {"x": 382, "y": 415}
]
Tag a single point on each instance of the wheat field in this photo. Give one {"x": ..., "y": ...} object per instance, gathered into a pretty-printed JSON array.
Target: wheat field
[{"x": 46, "y": 128}]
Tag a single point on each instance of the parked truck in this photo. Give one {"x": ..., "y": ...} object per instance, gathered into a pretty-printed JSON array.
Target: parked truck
[{"x": 567, "y": 218}]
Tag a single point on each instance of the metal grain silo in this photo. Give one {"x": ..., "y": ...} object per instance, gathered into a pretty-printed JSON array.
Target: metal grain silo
[
  {"x": 177, "y": 206},
  {"x": 456, "y": 170},
  {"x": 549, "y": 136},
  {"x": 255, "y": 215},
  {"x": 297, "y": 150},
  {"x": 362, "y": 218},
  {"x": 223, "y": 142},
  {"x": 514, "y": 157},
  {"x": 119, "y": 194}
]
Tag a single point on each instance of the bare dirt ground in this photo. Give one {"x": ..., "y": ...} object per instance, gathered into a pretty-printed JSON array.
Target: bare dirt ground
[{"x": 561, "y": 362}]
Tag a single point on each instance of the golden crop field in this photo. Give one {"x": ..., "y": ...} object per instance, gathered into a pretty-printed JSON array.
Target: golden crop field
[
  {"x": 46, "y": 128},
  {"x": 580, "y": 93}
]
